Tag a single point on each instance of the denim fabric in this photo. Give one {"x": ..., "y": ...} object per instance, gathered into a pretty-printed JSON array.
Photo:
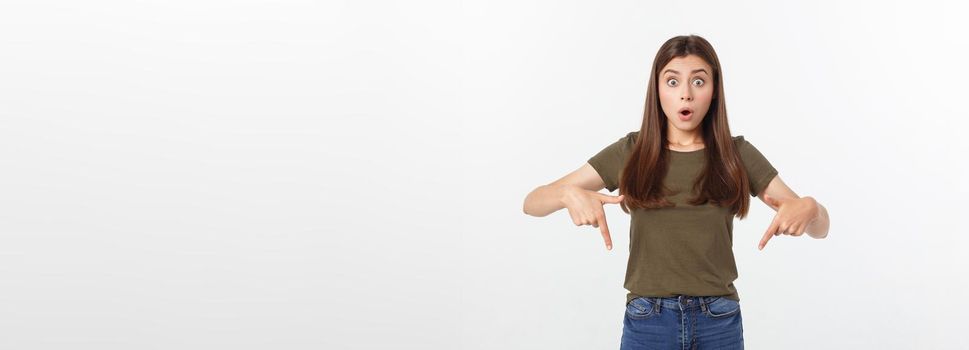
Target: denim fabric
[{"x": 683, "y": 323}]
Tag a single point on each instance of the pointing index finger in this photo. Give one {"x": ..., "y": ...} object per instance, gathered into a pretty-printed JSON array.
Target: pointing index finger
[
  {"x": 769, "y": 234},
  {"x": 604, "y": 228}
]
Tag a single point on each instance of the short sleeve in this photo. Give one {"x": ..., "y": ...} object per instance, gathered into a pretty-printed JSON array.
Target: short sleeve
[
  {"x": 759, "y": 170},
  {"x": 610, "y": 160}
]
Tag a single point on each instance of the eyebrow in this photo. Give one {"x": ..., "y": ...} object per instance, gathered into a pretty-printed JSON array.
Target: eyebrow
[{"x": 694, "y": 71}]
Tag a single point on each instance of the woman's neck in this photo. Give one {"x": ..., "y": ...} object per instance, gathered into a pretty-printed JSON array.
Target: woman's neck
[{"x": 679, "y": 138}]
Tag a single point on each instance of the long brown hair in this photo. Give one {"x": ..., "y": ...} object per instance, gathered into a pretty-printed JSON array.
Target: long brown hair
[{"x": 723, "y": 181}]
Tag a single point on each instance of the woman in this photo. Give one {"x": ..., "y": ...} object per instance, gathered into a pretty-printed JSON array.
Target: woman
[{"x": 682, "y": 178}]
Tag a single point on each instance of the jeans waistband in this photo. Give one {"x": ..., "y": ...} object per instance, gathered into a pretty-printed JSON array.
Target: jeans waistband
[{"x": 683, "y": 301}]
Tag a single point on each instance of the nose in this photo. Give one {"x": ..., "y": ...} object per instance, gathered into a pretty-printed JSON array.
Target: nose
[{"x": 687, "y": 96}]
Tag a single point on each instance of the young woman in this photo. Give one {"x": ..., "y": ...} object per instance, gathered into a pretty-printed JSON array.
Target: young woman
[{"x": 682, "y": 178}]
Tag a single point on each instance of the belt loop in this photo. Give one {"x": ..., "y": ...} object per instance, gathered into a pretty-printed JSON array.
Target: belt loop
[
  {"x": 703, "y": 303},
  {"x": 657, "y": 307}
]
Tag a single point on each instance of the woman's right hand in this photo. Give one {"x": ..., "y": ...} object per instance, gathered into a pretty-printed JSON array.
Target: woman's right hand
[{"x": 586, "y": 208}]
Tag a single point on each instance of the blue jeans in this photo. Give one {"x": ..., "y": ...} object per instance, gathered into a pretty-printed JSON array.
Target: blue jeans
[{"x": 683, "y": 322}]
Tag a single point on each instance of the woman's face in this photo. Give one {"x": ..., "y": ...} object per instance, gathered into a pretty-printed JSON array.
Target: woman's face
[{"x": 685, "y": 91}]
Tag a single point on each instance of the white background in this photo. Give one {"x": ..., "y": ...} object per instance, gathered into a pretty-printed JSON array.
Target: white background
[{"x": 350, "y": 175}]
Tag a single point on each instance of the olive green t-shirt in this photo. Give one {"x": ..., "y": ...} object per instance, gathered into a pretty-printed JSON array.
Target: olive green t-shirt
[{"x": 686, "y": 249}]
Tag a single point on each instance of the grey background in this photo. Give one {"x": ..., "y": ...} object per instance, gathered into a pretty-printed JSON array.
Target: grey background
[{"x": 337, "y": 175}]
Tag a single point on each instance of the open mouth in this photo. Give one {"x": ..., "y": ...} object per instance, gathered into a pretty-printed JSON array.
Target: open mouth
[{"x": 686, "y": 113}]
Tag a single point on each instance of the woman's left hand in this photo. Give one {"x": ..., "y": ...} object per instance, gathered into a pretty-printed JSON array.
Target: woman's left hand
[{"x": 793, "y": 217}]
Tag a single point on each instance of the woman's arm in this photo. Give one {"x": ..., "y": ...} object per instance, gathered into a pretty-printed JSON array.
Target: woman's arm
[
  {"x": 579, "y": 192},
  {"x": 819, "y": 227},
  {"x": 795, "y": 214},
  {"x": 547, "y": 199},
  {"x": 779, "y": 191}
]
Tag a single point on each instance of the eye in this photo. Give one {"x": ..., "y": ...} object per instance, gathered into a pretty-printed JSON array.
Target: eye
[
  {"x": 698, "y": 82},
  {"x": 672, "y": 82}
]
